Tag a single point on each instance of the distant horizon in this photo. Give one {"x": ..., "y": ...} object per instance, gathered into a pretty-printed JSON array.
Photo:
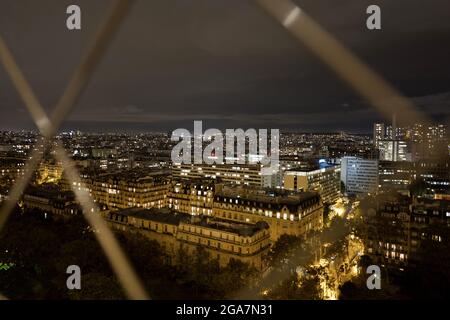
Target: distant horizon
[
  {"x": 227, "y": 63},
  {"x": 146, "y": 129},
  {"x": 130, "y": 131}
]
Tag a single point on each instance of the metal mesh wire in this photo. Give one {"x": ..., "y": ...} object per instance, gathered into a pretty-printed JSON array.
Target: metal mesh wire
[
  {"x": 48, "y": 128},
  {"x": 346, "y": 65}
]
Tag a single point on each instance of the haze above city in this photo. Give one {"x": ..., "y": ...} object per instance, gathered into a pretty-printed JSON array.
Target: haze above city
[{"x": 224, "y": 62}]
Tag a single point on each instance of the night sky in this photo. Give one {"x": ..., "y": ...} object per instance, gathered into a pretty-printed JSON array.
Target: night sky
[{"x": 225, "y": 62}]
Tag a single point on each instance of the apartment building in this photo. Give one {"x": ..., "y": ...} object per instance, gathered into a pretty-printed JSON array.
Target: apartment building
[
  {"x": 193, "y": 196},
  {"x": 181, "y": 235},
  {"x": 51, "y": 201},
  {"x": 284, "y": 212},
  {"x": 134, "y": 188},
  {"x": 396, "y": 225}
]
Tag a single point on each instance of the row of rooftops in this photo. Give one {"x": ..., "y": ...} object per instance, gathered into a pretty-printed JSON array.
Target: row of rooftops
[
  {"x": 397, "y": 203},
  {"x": 12, "y": 162},
  {"x": 163, "y": 215},
  {"x": 267, "y": 196},
  {"x": 50, "y": 192},
  {"x": 313, "y": 167},
  {"x": 134, "y": 176},
  {"x": 171, "y": 217},
  {"x": 432, "y": 207}
]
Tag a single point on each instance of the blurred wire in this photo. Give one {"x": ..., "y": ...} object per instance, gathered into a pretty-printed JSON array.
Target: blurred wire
[
  {"x": 76, "y": 85},
  {"x": 357, "y": 74},
  {"x": 105, "y": 236},
  {"x": 343, "y": 62},
  {"x": 48, "y": 128},
  {"x": 86, "y": 68},
  {"x": 26, "y": 93},
  {"x": 41, "y": 120},
  {"x": 21, "y": 183}
]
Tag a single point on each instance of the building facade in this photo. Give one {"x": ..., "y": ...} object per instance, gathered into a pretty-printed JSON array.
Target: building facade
[
  {"x": 294, "y": 214},
  {"x": 359, "y": 176},
  {"x": 193, "y": 196},
  {"x": 396, "y": 225},
  {"x": 396, "y": 175},
  {"x": 394, "y": 150},
  {"x": 129, "y": 189},
  {"x": 325, "y": 181},
  {"x": 379, "y": 132},
  {"x": 50, "y": 201},
  {"x": 181, "y": 235},
  {"x": 236, "y": 174}
]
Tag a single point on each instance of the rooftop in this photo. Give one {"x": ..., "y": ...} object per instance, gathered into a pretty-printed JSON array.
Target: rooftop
[
  {"x": 164, "y": 215},
  {"x": 169, "y": 216},
  {"x": 269, "y": 196},
  {"x": 242, "y": 229},
  {"x": 50, "y": 192},
  {"x": 135, "y": 175},
  {"x": 314, "y": 166}
]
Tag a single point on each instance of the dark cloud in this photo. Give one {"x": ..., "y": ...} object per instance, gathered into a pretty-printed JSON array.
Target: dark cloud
[{"x": 223, "y": 61}]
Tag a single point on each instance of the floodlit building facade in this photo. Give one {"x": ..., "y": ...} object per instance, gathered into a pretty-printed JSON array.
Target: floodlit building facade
[
  {"x": 237, "y": 174},
  {"x": 394, "y": 150},
  {"x": 181, "y": 235},
  {"x": 130, "y": 189},
  {"x": 379, "y": 132},
  {"x": 193, "y": 196},
  {"x": 325, "y": 181},
  {"x": 285, "y": 213}
]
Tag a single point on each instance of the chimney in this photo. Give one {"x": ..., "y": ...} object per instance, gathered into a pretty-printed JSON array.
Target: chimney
[{"x": 394, "y": 127}]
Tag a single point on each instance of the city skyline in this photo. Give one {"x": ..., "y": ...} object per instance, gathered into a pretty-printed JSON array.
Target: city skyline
[
  {"x": 154, "y": 177},
  {"x": 227, "y": 64}
]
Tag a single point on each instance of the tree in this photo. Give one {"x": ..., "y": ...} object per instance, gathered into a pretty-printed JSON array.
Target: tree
[
  {"x": 431, "y": 276},
  {"x": 418, "y": 187},
  {"x": 96, "y": 286},
  {"x": 283, "y": 250},
  {"x": 292, "y": 289}
]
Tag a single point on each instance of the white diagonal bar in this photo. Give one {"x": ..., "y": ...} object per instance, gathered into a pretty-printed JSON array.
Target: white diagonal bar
[
  {"x": 90, "y": 61},
  {"x": 21, "y": 183},
  {"x": 78, "y": 82},
  {"x": 26, "y": 93},
  {"x": 108, "y": 242},
  {"x": 342, "y": 61}
]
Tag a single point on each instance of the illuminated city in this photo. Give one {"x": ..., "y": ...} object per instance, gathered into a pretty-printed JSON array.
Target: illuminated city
[{"x": 358, "y": 177}]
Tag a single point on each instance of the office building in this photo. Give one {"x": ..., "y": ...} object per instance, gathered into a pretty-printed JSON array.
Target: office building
[
  {"x": 324, "y": 179},
  {"x": 396, "y": 175},
  {"x": 226, "y": 173},
  {"x": 379, "y": 132},
  {"x": 394, "y": 150},
  {"x": 359, "y": 176}
]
